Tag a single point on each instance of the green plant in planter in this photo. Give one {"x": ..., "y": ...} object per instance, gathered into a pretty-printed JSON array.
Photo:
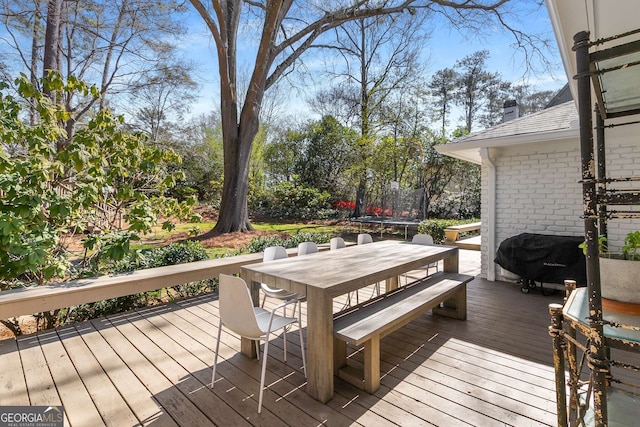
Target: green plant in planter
[
  {"x": 631, "y": 248},
  {"x": 602, "y": 245},
  {"x": 629, "y": 251}
]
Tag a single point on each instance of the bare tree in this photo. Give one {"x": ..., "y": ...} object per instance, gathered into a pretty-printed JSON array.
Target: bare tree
[
  {"x": 161, "y": 100},
  {"x": 111, "y": 44},
  {"x": 286, "y": 30},
  {"x": 380, "y": 58}
]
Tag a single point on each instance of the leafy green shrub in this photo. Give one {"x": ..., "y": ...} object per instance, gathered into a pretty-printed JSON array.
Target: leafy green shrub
[
  {"x": 84, "y": 312},
  {"x": 435, "y": 227},
  {"x": 258, "y": 244},
  {"x": 179, "y": 253},
  {"x": 53, "y": 183},
  {"x": 292, "y": 200},
  {"x": 298, "y": 238},
  {"x": 175, "y": 253},
  {"x": 631, "y": 248}
]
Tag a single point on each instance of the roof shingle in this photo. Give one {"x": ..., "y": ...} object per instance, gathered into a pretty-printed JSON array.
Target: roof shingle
[{"x": 547, "y": 120}]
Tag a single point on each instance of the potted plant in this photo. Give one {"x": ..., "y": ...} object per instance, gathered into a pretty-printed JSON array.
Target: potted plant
[{"x": 619, "y": 274}]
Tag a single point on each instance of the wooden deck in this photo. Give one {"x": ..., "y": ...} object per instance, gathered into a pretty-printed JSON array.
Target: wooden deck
[{"x": 153, "y": 366}]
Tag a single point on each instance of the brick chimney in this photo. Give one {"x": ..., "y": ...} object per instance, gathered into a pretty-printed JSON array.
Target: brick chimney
[{"x": 511, "y": 110}]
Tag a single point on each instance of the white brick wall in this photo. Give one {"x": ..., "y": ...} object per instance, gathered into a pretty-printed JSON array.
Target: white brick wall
[{"x": 538, "y": 190}]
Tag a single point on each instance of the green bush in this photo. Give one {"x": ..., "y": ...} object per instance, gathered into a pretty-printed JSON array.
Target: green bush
[
  {"x": 258, "y": 244},
  {"x": 175, "y": 253},
  {"x": 291, "y": 200},
  {"x": 52, "y": 182},
  {"x": 298, "y": 238},
  {"x": 84, "y": 312},
  {"x": 435, "y": 227}
]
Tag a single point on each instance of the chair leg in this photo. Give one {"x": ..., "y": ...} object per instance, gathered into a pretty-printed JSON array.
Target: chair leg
[
  {"x": 376, "y": 290},
  {"x": 264, "y": 369},
  {"x": 284, "y": 335},
  {"x": 257, "y": 342},
  {"x": 304, "y": 360},
  {"x": 215, "y": 358}
]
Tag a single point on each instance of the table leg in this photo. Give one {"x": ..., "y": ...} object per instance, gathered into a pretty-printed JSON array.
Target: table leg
[
  {"x": 391, "y": 283},
  {"x": 457, "y": 305},
  {"x": 319, "y": 345},
  {"x": 451, "y": 263},
  {"x": 247, "y": 346}
]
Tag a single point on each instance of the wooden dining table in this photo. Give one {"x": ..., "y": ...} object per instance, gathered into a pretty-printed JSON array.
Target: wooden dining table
[{"x": 322, "y": 276}]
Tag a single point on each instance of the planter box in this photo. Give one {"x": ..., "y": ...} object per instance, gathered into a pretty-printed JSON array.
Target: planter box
[{"x": 620, "y": 280}]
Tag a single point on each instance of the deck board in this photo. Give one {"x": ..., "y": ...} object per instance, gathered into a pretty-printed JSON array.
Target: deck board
[
  {"x": 145, "y": 407},
  {"x": 79, "y": 407},
  {"x": 153, "y": 367},
  {"x": 113, "y": 409}
]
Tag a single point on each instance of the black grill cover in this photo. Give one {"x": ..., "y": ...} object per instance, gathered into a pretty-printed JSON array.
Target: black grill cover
[{"x": 544, "y": 258}]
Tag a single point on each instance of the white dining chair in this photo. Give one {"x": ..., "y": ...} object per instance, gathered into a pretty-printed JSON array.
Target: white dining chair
[
  {"x": 364, "y": 238},
  {"x": 337, "y": 243},
  {"x": 306, "y": 248},
  {"x": 238, "y": 314},
  {"x": 272, "y": 253},
  {"x": 425, "y": 239}
]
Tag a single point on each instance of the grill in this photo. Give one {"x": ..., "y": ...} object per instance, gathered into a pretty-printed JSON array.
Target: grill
[{"x": 543, "y": 259}]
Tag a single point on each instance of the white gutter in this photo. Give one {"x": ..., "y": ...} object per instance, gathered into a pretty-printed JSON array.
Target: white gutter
[{"x": 490, "y": 219}]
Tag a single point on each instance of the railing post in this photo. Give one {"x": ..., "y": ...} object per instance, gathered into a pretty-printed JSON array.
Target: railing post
[
  {"x": 555, "y": 330},
  {"x": 596, "y": 352}
]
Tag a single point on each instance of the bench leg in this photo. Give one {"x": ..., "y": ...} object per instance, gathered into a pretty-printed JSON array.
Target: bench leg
[
  {"x": 455, "y": 307},
  {"x": 339, "y": 355},
  {"x": 372, "y": 365}
]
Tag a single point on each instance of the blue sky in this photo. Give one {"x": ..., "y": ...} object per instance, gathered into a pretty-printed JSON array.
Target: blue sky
[{"x": 445, "y": 46}]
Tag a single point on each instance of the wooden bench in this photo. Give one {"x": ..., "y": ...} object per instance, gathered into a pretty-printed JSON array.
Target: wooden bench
[
  {"x": 451, "y": 233},
  {"x": 368, "y": 323}
]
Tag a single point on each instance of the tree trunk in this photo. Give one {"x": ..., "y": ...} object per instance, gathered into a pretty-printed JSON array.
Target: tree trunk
[
  {"x": 54, "y": 9},
  {"x": 237, "y": 140},
  {"x": 33, "y": 114},
  {"x": 52, "y": 52},
  {"x": 234, "y": 212}
]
